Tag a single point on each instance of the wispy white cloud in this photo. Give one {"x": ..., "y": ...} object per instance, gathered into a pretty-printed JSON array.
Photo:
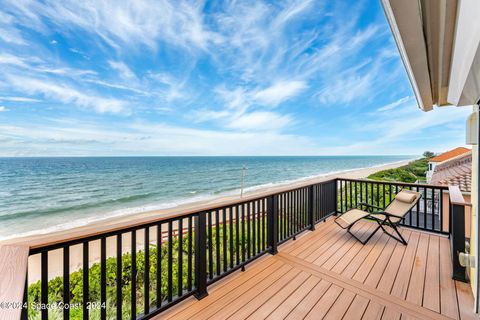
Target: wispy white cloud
[
  {"x": 260, "y": 121},
  {"x": 19, "y": 99},
  {"x": 67, "y": 94},
  {"x": 8, "y": 32},
  {"x": 144, "y": 138},
  {"x": 395, "y": 104},
  {"x": 171, "y": 88},
  {"x": 346, "y": 90},
  {"x": 10, "y": 59},
  {"x": 123, "y": 70},
  {"x": 257, "y": 40},
  {"x": 279, "y": 92},
  {"x": 121, "y": 24},
  {"x": 35, "y": 64},
  {"x": 400, "y": 130},
  {"x": 238, "y": 102},
  {"x": 3, "y": 109}
]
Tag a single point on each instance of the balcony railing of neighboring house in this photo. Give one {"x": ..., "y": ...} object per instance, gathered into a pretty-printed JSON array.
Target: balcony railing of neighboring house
[{"x": 183, "y": 255}]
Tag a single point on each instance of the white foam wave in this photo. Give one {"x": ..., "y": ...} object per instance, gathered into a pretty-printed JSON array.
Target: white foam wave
[{"x": 168, "y": 205}]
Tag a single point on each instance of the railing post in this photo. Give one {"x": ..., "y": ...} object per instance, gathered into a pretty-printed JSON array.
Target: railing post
[
  {"x": 272, "y": 216},
  {"x": 457, "y": 240},
  {"x": 336, "y": 196},
  {"x": 201, "y": 255},
  {"x": 311, "y": 212}
]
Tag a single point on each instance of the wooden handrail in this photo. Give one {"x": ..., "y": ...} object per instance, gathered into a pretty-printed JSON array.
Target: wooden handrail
[
  {"x": 456, "y": 196},
  {"x": 409, "y": 184},
  {"x": 13, "y": 272}
]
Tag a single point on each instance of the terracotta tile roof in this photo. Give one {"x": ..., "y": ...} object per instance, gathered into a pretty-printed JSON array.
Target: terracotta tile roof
[
  {"x": 456, "y": 171},
  {"x": 450, "y": 154}
]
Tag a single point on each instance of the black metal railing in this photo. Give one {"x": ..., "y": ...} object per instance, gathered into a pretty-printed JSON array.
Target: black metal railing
[
  {"x": 138, "y": 271},
  {"x": 149, "y": 268},
  {"x": 428, "y": 214}
]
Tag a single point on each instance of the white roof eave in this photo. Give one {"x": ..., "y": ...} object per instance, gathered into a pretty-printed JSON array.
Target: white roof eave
[
  {"x": 439, "y": 45},
  {"x": 411, "y": 45}
]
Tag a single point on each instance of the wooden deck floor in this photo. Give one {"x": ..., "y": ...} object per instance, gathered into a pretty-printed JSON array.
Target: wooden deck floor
[{"x": 325, "y": 274}]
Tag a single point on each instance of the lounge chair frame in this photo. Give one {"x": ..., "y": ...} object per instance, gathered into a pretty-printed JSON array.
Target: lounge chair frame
[{"x": 382, "y": 223}]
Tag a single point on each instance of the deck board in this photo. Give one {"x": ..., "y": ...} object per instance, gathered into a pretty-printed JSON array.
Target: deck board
[
  {"x": 293, "y": 300},
  {"x": 326, "y": 274},
  {"x": 304, "y": 307},
  {"x": 357, "y": 308},
  {"x": 321, "y": 308},
  {"x": 431, "y": 293}
]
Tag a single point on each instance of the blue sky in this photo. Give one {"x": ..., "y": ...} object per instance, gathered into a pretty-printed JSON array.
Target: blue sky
[{"x": 209, "y": 78}]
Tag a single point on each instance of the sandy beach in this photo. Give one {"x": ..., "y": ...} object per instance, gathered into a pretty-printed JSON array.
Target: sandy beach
[{"x": 56, "y": 257}]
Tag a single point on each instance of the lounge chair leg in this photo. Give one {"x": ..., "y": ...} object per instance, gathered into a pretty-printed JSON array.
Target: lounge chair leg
[
  {"x": 366, "y": 240},
  {"x": 394, "y": 227},
  {"x": 399, "y": 234}
]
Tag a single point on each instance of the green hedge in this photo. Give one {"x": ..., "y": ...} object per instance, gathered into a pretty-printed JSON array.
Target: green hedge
[
  {"x": 413, "y": 171},
  {"x": 55, "y": 285}
]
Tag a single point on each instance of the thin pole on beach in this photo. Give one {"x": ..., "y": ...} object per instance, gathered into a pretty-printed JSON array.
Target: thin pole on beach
[{"x": 244, "y": 168}]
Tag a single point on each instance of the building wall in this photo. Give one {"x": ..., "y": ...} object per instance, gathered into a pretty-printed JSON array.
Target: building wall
[
  {"x": 474, "y": 231},
  {"x": 430, "y": 169}
]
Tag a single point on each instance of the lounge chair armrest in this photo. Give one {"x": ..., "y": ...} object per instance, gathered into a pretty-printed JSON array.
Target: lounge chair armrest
[
  {"x": 369, "y": 206},
  {"x": 387, "y": 214}
]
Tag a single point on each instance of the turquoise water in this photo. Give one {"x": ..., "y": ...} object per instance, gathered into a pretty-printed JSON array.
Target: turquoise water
[{"x": 39, "y": 195}]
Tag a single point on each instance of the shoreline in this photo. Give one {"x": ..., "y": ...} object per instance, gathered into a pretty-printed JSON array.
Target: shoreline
[
  {"x": 117, "y": 216},
  {"x": 76, "y": 257},
  {"x": 201, "y": 204}
]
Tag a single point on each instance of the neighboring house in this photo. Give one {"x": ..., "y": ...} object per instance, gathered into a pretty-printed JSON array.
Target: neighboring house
[
  {"x": 456, "y": 171},
  {"x": 444, "y": 157}
]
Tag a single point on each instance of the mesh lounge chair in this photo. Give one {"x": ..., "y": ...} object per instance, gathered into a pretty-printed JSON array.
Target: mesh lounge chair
[{"x": 390, "y": 216}]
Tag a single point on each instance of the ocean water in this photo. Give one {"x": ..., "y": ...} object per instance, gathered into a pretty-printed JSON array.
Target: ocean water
[{"x": 41, "y": 195}]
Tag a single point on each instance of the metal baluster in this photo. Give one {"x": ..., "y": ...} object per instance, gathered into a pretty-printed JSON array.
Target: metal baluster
[
  {"x": 119, "y": 279},
  {"x": 159, "y": 265},
  {"x": 44, "y": 285},
  {"x": 252, "y": 215},
  {"x": 259, "y": 225},
  {"x": 66, "y": 282},
  {"x": 243, "y": 233},
  {"x": 170, "y": 263},
  {"x": 433, "y": 209},
  {"x": 237, "y": 237},
  {"x": 133, "y": 292},
  {"x": 341, "y": 196},
  {"x": 85, "y": 281},
  {"x": 103, "y": 278},
  {"x": 264, "y": 214},
  {"x": 210, "y": 245},
  {"x": 180, "y": 258},
  {"x": 425, "y": 208},
  {"x": 225, "y": 228},
  {"x": 217, "y": 241},
  {"x": 230, "y": 212},
  {"x": 146, "y": 274},
  {"x": 190, "y": 254}
]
